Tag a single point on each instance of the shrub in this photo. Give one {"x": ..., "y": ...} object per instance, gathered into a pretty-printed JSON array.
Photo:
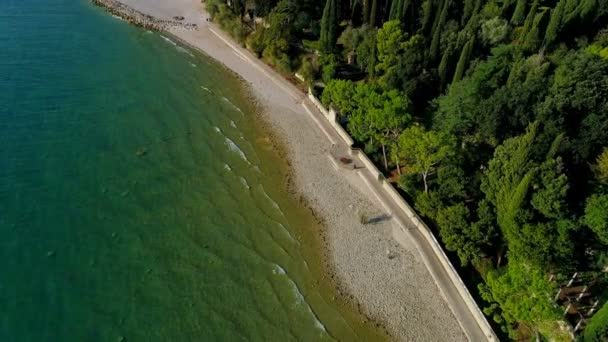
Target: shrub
[
  {"x": 308, "y": 69},
  {"x": 329, "y": 65}
]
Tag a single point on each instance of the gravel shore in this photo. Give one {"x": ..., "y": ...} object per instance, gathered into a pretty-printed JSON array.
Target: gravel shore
[{"x": 386, "y": 279}]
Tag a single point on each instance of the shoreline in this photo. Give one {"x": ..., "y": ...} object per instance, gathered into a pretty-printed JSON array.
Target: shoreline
[{"x": 386, "y": 280}]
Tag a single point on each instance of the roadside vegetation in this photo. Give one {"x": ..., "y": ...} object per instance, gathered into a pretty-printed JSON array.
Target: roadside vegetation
[{"x": 492, "y": 118}]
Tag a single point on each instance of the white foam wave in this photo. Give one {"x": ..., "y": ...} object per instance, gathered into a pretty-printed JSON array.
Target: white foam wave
[
  {"x": 181, "y": 49},
  {"x": 193, "y": 65},
  {"x": 289, "y": 234},
  {"x": 117, "y": 17},
  {"x": 205, "y": 89},
  {"x": 235, "y": 148},
  {"x": 244, "y": 182},
  {"x": 227, "y": 167},
  {"x": 277, "y": 269},
  {"x": 274, "y": 204},
  {"x": 300, "y": 300},
  {"x": 233, "y": 105},
  {"x": 232, "y": 124},
  {"x": 169, "y": 40}
]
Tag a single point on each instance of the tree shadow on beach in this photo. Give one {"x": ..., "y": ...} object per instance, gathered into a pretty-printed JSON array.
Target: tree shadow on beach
[{"x": 379, "y": 219}]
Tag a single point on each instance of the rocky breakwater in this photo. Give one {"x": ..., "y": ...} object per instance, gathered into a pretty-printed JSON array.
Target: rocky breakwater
[{"x": 140, "y": 19}]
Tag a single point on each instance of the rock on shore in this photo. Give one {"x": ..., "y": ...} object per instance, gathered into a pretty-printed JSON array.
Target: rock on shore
[{"x": 140, "y": 19}]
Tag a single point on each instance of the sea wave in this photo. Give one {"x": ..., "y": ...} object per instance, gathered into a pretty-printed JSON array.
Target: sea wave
[
  {"x": 169, "y": 40},
  {"x": 232, "y": 104},
  {"x": 181, "y": 49},
  {"x": 244, "y": 182},
  {"x": 272, "y": 202},
  {"x": 300, "y": 300},
  {"x": 235, "y": 148}
]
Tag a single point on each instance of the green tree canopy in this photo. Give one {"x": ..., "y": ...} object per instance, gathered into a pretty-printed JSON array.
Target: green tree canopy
[
  {"x": 378, "y": 115},
  {"x": 596, "y": 216},
  {"x": 422, "y": 151},
  {"x": 523, "y": 292},
  {"x": 602, "y": 166},
  {"x": 329, "y": 27},
  {"x": 459, "y": 235}
]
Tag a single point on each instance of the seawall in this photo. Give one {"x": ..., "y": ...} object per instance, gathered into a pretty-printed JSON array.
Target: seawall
[{"x": 403, "y": 214}]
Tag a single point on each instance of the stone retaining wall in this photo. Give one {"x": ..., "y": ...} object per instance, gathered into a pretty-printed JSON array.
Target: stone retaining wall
[{"x": 416, "y": 221}]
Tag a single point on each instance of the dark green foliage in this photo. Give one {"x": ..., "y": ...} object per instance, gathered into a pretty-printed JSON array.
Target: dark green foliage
[
  {"x": 443, "y": 65},
  {"x": 528, "y": 23},
  {"x": 373, "y": 15},
  {"x": 437, "y": 27},
  {"x": 555, "y": 23},
  {"x": 596, "y": 216},
  {"x": 531, "y": 42},
  {"x": 460, "y": 235},
  {"x": 463, "y": 60},
  {"x": 493, "y": 112},
  {"x": 520, "y": 12},
  {"x": 329, "y": 27},
  {"x": 494, "y": 31},
  {"x": 523, "y": 294},
  {"x": 329, "y": 65}
]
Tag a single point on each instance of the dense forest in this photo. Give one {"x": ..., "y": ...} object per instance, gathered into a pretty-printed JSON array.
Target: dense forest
[{"x": 492, "y": 118}]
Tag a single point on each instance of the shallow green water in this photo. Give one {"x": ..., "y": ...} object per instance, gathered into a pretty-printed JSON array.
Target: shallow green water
[{"x": 138, "y": 198}]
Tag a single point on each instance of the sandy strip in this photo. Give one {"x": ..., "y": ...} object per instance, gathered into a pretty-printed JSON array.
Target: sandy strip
[{"x": 386, "y": 279}]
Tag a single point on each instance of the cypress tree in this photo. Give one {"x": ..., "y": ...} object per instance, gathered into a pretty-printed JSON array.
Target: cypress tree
[
  {"x": 505, "y": 6},
  {"x": 528, "y": 23},
  {"x": 519, "y": 13},
  {"x": 427, "y": 14},
  {"x": 555, "y": 22},
  {"x": 463, "y": 60},
  {"x": 532, "y": 39},
  {"x": 366, "y": 10},
  {"x": 437, "y": 30},
  {"x": 467, "y": 11},
  {"x": 373, "y": 13},
  {"x": 329, "y": 27},
  {"x": 395, "y": 10},
  {"x": 442, "y": 71},
  {"x": 405, "y": 4}
]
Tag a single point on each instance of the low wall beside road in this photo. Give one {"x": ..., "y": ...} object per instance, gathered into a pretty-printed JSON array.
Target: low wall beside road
[{"x": 415, "y": 221}]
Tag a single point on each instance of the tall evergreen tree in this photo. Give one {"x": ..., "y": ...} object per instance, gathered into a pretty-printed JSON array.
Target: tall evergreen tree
[
  {"x": 555, "y": 22},
  {"x": 463, "y": 60},
  {"x": 437, "y": 27},
  {"x": 443, "y": 65},
  {"x": 373, "y": 15},
  {"x": 329, "y": 27},
  {"x": 367, "y": 8},
  {"x": 519, "y": 14},
  {"x": 532, "y": 39},
  {"x": 529, "y": 22},
  {"x": 394, "y": 13}
]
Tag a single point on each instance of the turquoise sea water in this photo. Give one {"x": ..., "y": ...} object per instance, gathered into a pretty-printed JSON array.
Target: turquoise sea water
[{"x": 139, "y": 200}]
